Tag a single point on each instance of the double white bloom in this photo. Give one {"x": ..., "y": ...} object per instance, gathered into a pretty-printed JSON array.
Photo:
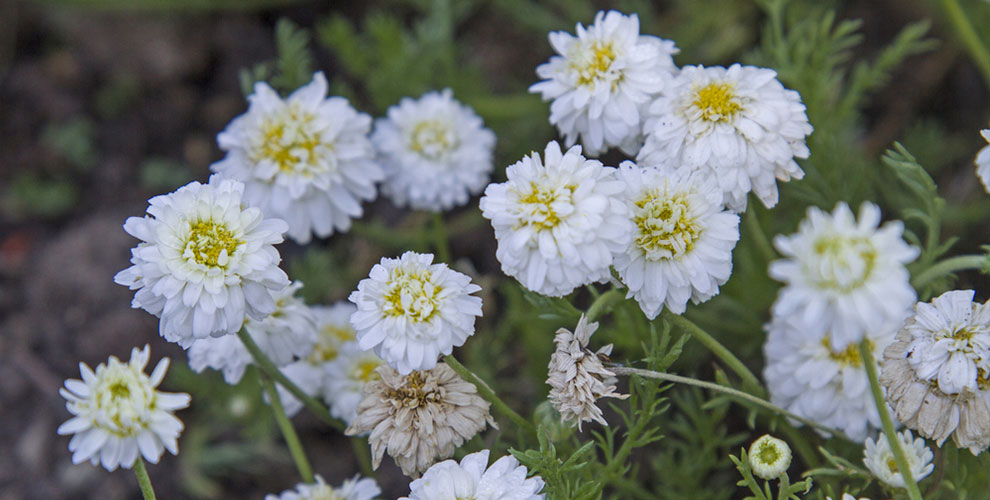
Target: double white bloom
[
  {"x": 473, "y": 478},
  {"x": 356, "y": 488},
  {"x": 879, "y": 458}
]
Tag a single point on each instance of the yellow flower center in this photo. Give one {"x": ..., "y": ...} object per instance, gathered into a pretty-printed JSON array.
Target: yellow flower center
[
  {"x": 843, "y": 263},
  {"x": 412, "y": 295},
  {"x": 892, "y": 465},
  {"x": 594, "y": 62},
  {"x": 432, "y": 139},
  {"x": 287, "y": 143},
  {"x": 121, "y": 399},
  {"x": 210, "y": 243},
  {"x": 847, "y": 357},
  {"x": 328, "y": 343},
  {"x": 665, "y": 228},
  {"x": 717, "y": 102},
  {"x": 543, "y": 204},
  {"x": 365, "y": 370},
  {"x": 413, "y": 394},
  {"x": 768, "y": 453}
]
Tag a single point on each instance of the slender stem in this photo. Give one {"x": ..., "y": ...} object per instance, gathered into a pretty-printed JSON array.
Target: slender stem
[
  {"x": 487, "y": 393},
  {"x": 866, "y": 352},
  {"x": 745, "y": 396},
  {"x": 605, "y": 300},
  {"x": 759, "y": 237},
  {"x": 717, "y": 349},
  {"x": 363, "y": 456},
  {"x": 147, "y": 491},
  {"x": 440, "y": 242},
  {"x": 288, "y": 432},
  {"x": 950, "y": 265},
  {"x": 269, "y": 369},
  {"x": 970, "y": 39}
]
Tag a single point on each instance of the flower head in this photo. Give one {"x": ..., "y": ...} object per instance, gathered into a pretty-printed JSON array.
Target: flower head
[
  {"x": 473, "y": 478},
  {"x": 769, "y": 457},
  {"x": 844, "y": 278},
  {"x": 345, "y": 378},
  {"x": 410, "y": 311},
  {"x": 356, "y": 488},
  {"x": 682, "y": 239},
  {"x": 879, "y": 458},
  {"x": 306, "y": 159},
  {"x": 557, "y": 221},
  {"x": 118, "y": 412},
  {"x": 602, "y": 79},
  {"x": 738, "y": 125},
  {"x": 983, "y": 161},
  {"x": 419, "y": 418},
  {"x": 577, "y": 377},
  {"x": 204, "y": 263},
  {"x": 435, "y": 150}
]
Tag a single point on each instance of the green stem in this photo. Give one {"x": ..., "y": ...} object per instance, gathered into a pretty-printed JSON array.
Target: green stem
[
  {"x": 950, "y": 265},
  {"x": 288, "y": 432},
  {"x": 605, "y": 300},
  {"x": 745, "y": 396},
  {"x": 970, "y": 39},
  {"x": 759, "y": 237},
  {"x": 719, "y": 350},
  {"x": 269, "y": 369},
  {"x": 487, "y": 393},
  {"x": 363, "y": 456},
  {"x": 440, "y": 242},
  {"x": 147, "y": 491},
  {"x": 866, "y": 352}
]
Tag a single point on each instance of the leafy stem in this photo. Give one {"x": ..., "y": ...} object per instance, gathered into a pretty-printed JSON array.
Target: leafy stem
[
  {"x": 948, "y": 266},
  {"x": 486, "y": 392}
]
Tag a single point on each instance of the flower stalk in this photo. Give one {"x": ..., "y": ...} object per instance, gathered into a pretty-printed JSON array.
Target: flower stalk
[
  {"x": 288, "y": 432},
  {"x": 719, "y": 350},
  {"x": 486, "y": 392},
  {"x": 147, "y": 491}
]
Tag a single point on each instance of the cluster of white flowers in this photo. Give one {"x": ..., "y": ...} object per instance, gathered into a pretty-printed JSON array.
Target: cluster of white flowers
[
  {"x": 356, "y": 488},
  {"x": 879, "y": 458}
]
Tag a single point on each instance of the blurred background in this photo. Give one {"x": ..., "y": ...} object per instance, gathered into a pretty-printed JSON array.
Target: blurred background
[{"x": 104, "y": 103}]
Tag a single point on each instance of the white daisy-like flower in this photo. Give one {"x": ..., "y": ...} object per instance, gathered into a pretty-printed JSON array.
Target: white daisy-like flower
[
  {"x": 436, "y": 152},
  {"x": 951, "y": 342},
  {"x": 845, "y": 278},
  {"x": 577, "y": 377},
  {"x": 879, "y": 458},
  {"x": 602, "y": 80},
  {"x": 847, "y": 496},
  {"x": 739, "y": 125},
  {"x": 118, "y": 413},
  {"x": 557, "y": 221},
  {"x": 204, "y": 263},
  {"x": 809, "y": 378},
  {"x": 410, "y": 311},
  {"x": 983, "y": 161},
  {"x": 285, "y": 335},
  {"x": 345, "y": 378},
  {"x": 682, "y": 239},
  {"x": 473, "y": 479},
  {"x": 306, "y": 159},
  {"x": 769, "y": 457},
  {"x": 356, "y": 488}
]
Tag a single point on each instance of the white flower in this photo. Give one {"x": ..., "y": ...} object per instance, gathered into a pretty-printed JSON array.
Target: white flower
[
  {"x": 436, "y": 152},
  {"x": 577, "y": 377},
  {"x": 809, "y": 378},
  {"x": 847, "y": 496},
  {"x": 557, "y": 222},
  {"x": 285, "y": 335},
  {"x": 204, "y": 262},
  {"x": 345, "y": 378},
  {"x": 682, "y": 239},
  {"x": 356, "y": 488},
  {"x": 951, "y": 342},
  {"x": 474, "y": 479},
  {"x": 603, "y": 79},
  {"x": 118, "y": 413},
  {"x": 739, "y": 125},
  {"x": 306, "y": 377},
  {"x": 843, "y": 277},
  {"x": 306, "y": 159},
  {"x": 419, "y": 418},
  {"x": 411, "y": 311},
  {"x": 879, "y": 458},
  {"x": 769, "y": 457},
  {"x": 983, "y": 161}
]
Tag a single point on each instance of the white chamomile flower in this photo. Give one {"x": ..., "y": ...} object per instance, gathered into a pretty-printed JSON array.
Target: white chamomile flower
[
  {"x": 879, "y": 458},
  {"x": 118, "y": 413},
  {"x": 844, "y": 277},
  {"x": 436, "y": 152},
  {"x": 602, "y": 81},
  {"x": 473, "y": 478},
  {"x": 345, "y": 378},
  {"x": 983, "y": 161},
  {"x": 809, "y": 378},
  {"x": 557, "y": 221},
  {"x": 951, "y": 342},
  {"x": 285, "y": 335},
  {"x": 739, "y": 125},
  {"x": 204, "y": 261},
  {"x": 356, "y": 488},
  {"x": 682, "y": 238},
  {"x": 306, "y": 159},
  {"x": 769, "y": 457},
  {"x": 847, "y": 496},
  {"x": 410, "y": 311}
]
